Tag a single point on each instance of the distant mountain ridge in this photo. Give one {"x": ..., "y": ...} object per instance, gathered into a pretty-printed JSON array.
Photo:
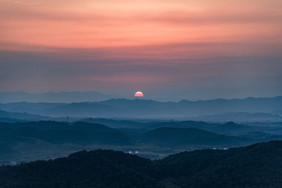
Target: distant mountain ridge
[
  {"x": 12, "y": 117},
  {"x": 141, "y": 108},
  {"x": 60, "y": 97}
]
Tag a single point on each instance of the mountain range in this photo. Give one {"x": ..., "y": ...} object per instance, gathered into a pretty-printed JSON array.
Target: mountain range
[
  {"x": 150, "y": 109},
  {"x": 51, "y": 97},
  {"x": 26, "y": 141}
]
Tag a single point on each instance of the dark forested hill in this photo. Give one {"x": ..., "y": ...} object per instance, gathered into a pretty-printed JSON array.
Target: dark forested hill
[
  {"x": 179, "y": 137},
  {"x": 258, "y": 165},
  {"x": 100, "y": 168},
  {"x": 62, "y": 132},
  {"x": 36, "y": 140}
]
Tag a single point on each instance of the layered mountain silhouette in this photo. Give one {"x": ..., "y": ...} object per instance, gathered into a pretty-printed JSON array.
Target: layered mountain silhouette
[
  {"x": 64, "y": 96},
  {"x": 26, "y": 141},
  {"x": 92, "y": 133},
  {"x": 15, "y": 116},
  {"x": 62, "y": 132},
  {"x": 125, "y": 108}
]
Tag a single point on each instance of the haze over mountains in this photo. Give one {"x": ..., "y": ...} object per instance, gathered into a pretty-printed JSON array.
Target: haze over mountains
[
  {"x": 60, "y": 97},
  {"x": 266, "y": 109},
  {"x": 33, "y": 140},
  {"x": 147, "y": 128},
  {"x": 152, "y": 129}
]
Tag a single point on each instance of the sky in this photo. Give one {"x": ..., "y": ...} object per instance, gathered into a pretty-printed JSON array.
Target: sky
[{"x": 169, "y": 49}]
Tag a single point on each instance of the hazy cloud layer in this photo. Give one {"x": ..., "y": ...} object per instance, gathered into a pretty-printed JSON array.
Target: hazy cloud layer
[{"x": 170, "y": 49}]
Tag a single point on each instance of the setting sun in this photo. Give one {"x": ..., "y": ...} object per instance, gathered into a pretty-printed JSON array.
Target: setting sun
[{"x": 139, "y": 94}]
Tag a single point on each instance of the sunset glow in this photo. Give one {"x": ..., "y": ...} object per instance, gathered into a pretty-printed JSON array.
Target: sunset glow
[
  {"x": 157, "y": 45},
  {"x": 120, "y": 23},
  {"x": 139, "y": 94}
]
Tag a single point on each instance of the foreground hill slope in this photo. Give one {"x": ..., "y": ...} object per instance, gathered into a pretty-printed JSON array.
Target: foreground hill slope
[
  {"x": 99, "y": 168},
  {"x": 258, "y": 165}
]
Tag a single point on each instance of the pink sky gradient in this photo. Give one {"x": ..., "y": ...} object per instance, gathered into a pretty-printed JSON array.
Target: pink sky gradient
[
  {"x": 118, "y": 23},
  {"x": 168, "y": 46}
]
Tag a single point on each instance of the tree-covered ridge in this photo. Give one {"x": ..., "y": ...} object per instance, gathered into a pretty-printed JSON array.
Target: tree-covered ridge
[
  {"x": 61, "y": 132},
  {"x": 258, "y": 165},
  {"x": 99, "y": 168},
  {"x": 180, "y": 137}
]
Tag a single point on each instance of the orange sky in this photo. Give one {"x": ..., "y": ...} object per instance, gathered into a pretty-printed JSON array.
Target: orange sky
[
  {"x": 117, "y": 23},
  {"x": 228, "y": 47}
]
